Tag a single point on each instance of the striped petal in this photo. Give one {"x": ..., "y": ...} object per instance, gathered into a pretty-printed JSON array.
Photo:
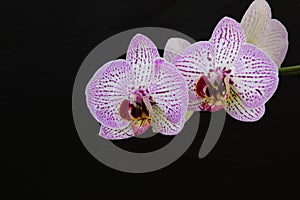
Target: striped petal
[
  {"x": 141, "y": 54},
  {"x": 168, "y": 90},
  {"x": 110, "y": 85},
  {"x": 174, "y": 47},
  {"x": 161, "y": 124},
  {"x": 116, "y": 134},
  {"x": 256, "y": 76},
  {"x": 193, "y": 62},
  {"x": 255, "y": 21},
  {"x": 227, "y": 38},
  {"x": 238, "y": 110},
  {"x": 274, "y": 41}
]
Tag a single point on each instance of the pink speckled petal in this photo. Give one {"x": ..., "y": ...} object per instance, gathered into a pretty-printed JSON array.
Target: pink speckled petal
[
  {"x": 256, "y": 76},
  {"x": 193, "y": 62},
  {"x": 196, "y": 105},
  {"x": 116, "y": 134},
  {"x": 109, "y": 86},
  {"x": 256, "y": 20},
  {"x": 168, "y": 90},
  {"x": 236, "y": 109},
  {"x": 174, "y": 47},
  {"x": 274, "y": 41},
  {"x": 141, "y": 54},
  {"x": 161, "y": 124},
  {"x": 227, "y": 38}
]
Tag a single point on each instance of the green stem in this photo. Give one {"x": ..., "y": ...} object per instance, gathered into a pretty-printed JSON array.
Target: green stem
[{"x": 290, "y": 71}]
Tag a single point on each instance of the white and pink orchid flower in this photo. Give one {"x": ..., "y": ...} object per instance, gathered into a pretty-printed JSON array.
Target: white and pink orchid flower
[
  {"x": 226, "y": 72},
  {"x": 264, "y": 32},
  {"x": 128, "y": 96},
  {"x": 260, "y": 30}
]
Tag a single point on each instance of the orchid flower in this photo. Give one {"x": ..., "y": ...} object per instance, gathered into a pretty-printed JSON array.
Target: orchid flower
[
  {"x": 128, "y": 96},
  {"x": 260, "y": 29},
  {"x": 226, "y": 72},
  {"x": 264, "y": 32}
]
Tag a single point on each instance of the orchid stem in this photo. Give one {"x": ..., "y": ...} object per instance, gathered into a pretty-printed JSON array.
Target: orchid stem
[{"x": 290, "y": 71}]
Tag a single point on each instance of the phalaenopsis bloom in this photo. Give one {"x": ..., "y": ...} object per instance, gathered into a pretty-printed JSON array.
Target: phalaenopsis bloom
[
  {"x": 226, "y": 72},
  {"x": 265, "y": 33},
  {"x": 128, "y": 96}
]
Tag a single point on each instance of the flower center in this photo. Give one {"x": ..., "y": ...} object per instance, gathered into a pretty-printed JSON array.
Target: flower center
[
  {"x": 214, "y": 89},
  {"x": 138, "y": 110}
]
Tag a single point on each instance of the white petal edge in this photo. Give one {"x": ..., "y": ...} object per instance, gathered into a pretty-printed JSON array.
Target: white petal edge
[
  {"x": 274, "y": 41},
  {"x": 116, "y": 134},
  {"x": 174, "y": 47},
  {"x": 256, "y": 20}
]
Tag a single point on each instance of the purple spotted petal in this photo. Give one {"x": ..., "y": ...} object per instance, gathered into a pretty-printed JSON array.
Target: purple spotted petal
[
  {"x": 193, "y": 62},
  {"x": 237, "y": 109},
  {"x": 141, "y": 54},
  {"x": 227, "y": 38},
  {"x": 196, "y": 105},
  {"x": 116, "y": 134},
  {"x": 161, "y": 124},
  {"x": 256, "y": 76},
  {"x": 106, "y": 90},
  {"x": 174, "y": 47},
  {"x": 256, "y": 20},
  {"x": 274, "y": 41},
  {"x": 168, "y": 90}
]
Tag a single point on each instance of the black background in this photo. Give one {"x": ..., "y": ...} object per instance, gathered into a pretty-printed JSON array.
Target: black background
[{"x": 43, "y": 45}]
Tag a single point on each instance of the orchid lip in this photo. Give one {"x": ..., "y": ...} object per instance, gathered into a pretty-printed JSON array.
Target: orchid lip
[
  {"x": 138, "y": 110},
  {"x": 214, "y": 89}
]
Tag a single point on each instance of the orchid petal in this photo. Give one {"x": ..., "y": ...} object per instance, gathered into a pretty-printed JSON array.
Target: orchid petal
[
  {"x": 141, "y": 54},
  {"x": 196, "y": 105},
  {"x": 274, "y": 41},
  {"x": 109, "y": 86},
  {"x": 161, "y": 124},
  {"x": 193, "y": 62},
  {"x": 255, "y": 21},
  {"x": 174, "y": 47},
  {"x": 116, "y": 134},
  {"x": 237, "y": 109},
  {"x": 169, "y": 90},
  {"x": 256, "y": 76},
  {"x": 227, "y": 38}
]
